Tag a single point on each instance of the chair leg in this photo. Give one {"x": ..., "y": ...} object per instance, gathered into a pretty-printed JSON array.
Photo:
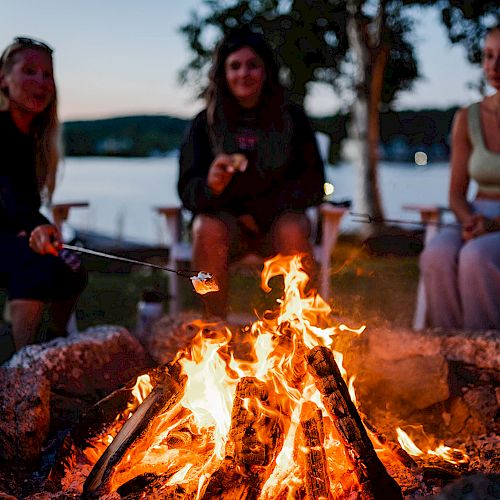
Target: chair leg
[{"x": 419, "y": 319}]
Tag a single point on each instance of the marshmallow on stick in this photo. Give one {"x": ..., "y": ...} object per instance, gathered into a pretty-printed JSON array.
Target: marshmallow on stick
[{"x": 204, "y": 283}]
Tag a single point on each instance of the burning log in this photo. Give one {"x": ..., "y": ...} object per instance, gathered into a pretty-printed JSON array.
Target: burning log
[
  {"x": 402, "y": 455},
  {"x": 253, "y": 443},
  {"x": 162, "y": 399},
  {"x": 100, "y": 418},
  {"x": 374, "y": 480},
  {"x": 316, "y": 472}
]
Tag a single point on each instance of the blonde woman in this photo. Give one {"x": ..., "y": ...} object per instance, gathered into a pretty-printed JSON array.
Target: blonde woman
[{"x": 30, "y": 267}]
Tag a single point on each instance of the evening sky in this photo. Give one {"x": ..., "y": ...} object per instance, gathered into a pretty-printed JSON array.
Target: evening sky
[{"x": 122, "y": 57}]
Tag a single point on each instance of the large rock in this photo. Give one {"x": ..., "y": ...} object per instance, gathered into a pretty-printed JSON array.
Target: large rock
[
  {"x": 481, "y": 348},
  {"x": 58, "y": 380},
  {"x": 398, "y": 367},
  {"x": 25, "y": 413}
]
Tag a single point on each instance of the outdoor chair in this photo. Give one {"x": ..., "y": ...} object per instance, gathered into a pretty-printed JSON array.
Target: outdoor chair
[
  {"x": 431, "y": 217},
  {"x": 325, "y": 221}
]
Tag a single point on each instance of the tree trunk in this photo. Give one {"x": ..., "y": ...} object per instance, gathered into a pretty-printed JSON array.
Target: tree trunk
[{"x": 363, "y": 130}]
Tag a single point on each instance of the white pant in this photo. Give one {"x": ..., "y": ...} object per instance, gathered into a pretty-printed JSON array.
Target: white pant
[{"x": 462, "y": 279}]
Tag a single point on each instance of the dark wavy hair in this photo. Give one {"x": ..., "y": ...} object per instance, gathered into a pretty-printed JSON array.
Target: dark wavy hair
[{"x": 222, "y": 107}]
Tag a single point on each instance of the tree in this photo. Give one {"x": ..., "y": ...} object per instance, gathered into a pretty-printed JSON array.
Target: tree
[
  {"x": 374, "y": 40},
  {"x": 300, "y": 34}
]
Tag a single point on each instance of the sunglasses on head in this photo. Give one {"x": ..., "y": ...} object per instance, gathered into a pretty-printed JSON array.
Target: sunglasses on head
[{"x": 31, "y": 42}]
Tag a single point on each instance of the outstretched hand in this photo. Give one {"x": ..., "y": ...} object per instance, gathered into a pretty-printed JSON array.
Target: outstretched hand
[{"x": 45, "y": 239}]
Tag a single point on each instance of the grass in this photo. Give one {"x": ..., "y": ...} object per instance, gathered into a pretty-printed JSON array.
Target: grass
[{"x": 366, "y": 288}]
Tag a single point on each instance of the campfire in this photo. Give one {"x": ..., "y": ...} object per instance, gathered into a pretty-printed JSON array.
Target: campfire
[{"x": 271, "y": 414}]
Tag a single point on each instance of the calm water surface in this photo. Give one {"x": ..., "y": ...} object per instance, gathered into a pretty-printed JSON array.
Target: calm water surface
[{"x": 123, "y": 192}]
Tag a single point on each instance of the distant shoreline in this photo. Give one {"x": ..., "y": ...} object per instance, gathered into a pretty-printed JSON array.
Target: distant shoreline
[{"x": 402, "y": 134}]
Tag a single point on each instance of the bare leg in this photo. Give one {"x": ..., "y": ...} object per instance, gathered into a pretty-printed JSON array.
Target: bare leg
[
  {"x": 211, "y": 254},
  {"x": 290, "y": 235},
  {"x": 25, "y": 317}
]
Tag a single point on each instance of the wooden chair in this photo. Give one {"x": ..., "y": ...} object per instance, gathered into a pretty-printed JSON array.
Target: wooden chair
[
  {"x": 431, "y": 216},
  {"x": 180, "y": 250}
]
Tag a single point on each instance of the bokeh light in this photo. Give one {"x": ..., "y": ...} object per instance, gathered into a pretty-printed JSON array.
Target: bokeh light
[
  {"x": 329, "y": 188},
  {"x": 420, "y": 158}
]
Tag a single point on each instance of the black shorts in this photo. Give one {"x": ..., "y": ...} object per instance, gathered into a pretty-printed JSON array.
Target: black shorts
[
  {"x": 28, "y": 275},
  {"x": 242, "y": 241}
]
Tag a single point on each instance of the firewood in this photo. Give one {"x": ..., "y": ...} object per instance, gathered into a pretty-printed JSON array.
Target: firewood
[
  {"x": 162, "y": 399},
  {"x": 316, "y": 469},
  {"x": 374, "y": 480},
  {"x": 248, "y": 423},
  {"x": 402, "y": 455},
  {"x": 249, "y": 457},
  {"x": 96, "y": 420}
]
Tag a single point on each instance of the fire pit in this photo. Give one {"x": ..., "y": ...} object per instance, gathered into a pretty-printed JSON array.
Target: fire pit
[{"x": 268, "y": 412}]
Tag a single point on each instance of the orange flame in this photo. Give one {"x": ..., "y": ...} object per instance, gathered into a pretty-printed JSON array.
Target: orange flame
[
  {"x": 192, "y": 442},
  {"x": 451, "y": 455}
]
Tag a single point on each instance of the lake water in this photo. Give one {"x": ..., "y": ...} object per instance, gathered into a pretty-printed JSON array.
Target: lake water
[{"x": 123, "y": 192}]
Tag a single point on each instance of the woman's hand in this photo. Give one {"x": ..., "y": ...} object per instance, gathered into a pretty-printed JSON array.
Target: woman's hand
[
  {"x": 475, "y": 225},
  {"x": 45, "y": 239},
  {"x": 220, "y": 173}
]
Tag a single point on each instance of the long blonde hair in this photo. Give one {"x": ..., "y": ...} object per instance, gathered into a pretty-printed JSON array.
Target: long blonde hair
[{"x": 44, "y": 127}]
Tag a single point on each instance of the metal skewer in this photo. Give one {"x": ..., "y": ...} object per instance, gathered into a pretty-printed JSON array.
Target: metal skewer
[
  {"x": 183, "y": 273},
  {"x": 367, "y": 218}
]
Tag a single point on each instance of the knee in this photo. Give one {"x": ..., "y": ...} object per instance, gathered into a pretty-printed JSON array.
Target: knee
[
  {"x": 291, "y": 233},
  {"x": 210, "y": 230},
  {"x": 435, "y": 258},
  {"x": 473, "y": 258}
]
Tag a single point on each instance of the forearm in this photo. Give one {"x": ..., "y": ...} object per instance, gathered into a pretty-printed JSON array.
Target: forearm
[{"x": 460, "y": 207}]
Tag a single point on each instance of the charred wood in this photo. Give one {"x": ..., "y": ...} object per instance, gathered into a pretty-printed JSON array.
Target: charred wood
[
  {"x": 316, "y": 471},
  {"x": 96, "y": 420},
  {"x": 163, "y": 398},
  {"x": 253, "y": 442},
  {"x": 374, "y": 480},
  {"x": 395, "y": 448}
]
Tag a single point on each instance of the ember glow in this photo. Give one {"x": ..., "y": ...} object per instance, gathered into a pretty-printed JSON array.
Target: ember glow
[{"x": 248, "y": 415}]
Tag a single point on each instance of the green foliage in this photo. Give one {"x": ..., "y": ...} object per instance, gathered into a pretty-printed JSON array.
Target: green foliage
[
  {"x": 310, "y": 41},
  {"x": 124, "y": 136},
  {"x": 467, "y": 22},
  {"x": 158, "y": 134}
]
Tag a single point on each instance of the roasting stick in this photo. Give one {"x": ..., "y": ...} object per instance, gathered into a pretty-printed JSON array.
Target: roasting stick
[
  {"x": 367, "y": 218},
  {"x": 202, "y": 282}
]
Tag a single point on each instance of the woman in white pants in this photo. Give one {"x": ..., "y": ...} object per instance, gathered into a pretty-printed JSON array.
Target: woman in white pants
[{"x": 461, "y": 266}]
